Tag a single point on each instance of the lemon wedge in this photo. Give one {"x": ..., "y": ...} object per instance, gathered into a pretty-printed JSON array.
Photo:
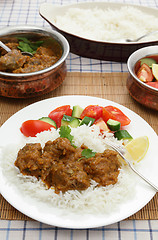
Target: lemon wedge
[
  {"x": 137, "y": 148},
  {"x": 155, "y": 70}
]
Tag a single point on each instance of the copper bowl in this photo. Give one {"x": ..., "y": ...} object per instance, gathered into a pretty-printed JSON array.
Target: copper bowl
[
  {"x": 103, "y": 50},
  {"x": 141, "y": 92},
  {"x": 26, "y": 85}
]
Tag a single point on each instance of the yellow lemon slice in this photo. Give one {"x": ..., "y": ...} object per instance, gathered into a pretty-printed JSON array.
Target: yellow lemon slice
[
  {"x": 155, "y": 70},
  {"x": 137, "y": 148}
]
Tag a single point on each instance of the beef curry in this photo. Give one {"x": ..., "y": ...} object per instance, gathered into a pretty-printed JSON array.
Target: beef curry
[
  {"x": 62, "y": 166},
  {"x": 47, "y": 54}
]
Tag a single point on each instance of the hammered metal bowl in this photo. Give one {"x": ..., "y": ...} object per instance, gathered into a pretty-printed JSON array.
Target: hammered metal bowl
[
  {"x": 141, "y": 92},
  {"x": 26, "y": 85}
]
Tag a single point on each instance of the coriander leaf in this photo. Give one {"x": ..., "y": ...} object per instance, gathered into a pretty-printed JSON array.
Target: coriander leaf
[
  {"x": 65, "y": 133},
  {"x": 25, "y": 40},
  {"x": 35, "y": 45},
  {"x": 26, "y": 46},
  {"x": 88, "y": 153}
]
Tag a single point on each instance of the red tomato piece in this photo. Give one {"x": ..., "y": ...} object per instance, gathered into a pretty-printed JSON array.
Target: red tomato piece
[
  {"x": 114, "y": 113},
  {"x": 58, "y": 113},
  {"x": 153, "y": 84},
  {"x": 93, "y": 111},
  {"x": 137, "y": 66},
  {"x": 145, "y": 73},
  {"x": 102, "y": 125},
  {"x": 31, "y": 127}
]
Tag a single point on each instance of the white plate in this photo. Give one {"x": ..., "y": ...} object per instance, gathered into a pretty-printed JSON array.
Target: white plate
[{"x": 10, "y": 133}]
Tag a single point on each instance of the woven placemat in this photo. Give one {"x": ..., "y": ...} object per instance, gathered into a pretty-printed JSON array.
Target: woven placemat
[{"x": 111, "y": 86}]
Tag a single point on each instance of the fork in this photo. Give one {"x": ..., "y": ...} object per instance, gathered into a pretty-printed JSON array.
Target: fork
[
  {"x": 121, "y": 152},
  {"x": 145, "y": 35}
]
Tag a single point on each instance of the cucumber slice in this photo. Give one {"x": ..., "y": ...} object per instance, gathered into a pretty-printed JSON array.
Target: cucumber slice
[
  {"x": 71, "y": 121},
  {"x": 113, "y": 125},
  {"x": 87, "y": 121},
  {"x": 148, "y": 61},
  {"x": 48, "y": 120},
  {"x": 122, "y": 134},
  {"x": 76, "y": 111}
]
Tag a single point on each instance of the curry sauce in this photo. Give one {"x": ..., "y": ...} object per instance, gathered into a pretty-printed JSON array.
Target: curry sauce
[
  {"x": 62, "y": 166},
  {"x": 45, "y": 56}
]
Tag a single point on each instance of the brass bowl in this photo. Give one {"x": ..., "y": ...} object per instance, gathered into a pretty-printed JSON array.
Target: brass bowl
[
  {"x": 141, "y": 92},
  {"x": 27, "y": 85}
]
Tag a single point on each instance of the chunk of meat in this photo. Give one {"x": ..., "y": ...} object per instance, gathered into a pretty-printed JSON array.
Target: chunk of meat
[
  {"x": 62, "y": 166},
  {"x": 103, "y": 168},
  {"x": 59, "y": 147},
  {"x": 45, "y": 51},
  {"x": 11, "y": 45},
  {"x": 66, "y": 177},
  {"x": 41, "y": 59},
  {"x": 29, "y": 159},
  {"x": 12, "y": 60},
  {"x": 63, "y": 170}
]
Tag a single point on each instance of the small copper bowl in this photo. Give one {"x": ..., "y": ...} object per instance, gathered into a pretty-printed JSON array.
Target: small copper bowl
[
  {"x": 26, "y": 85},
  {"x": 141, "y": 92}
]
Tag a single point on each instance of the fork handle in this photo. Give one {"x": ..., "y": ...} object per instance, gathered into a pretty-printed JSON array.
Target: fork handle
[
  {"x": 131, "y": 166},
  {"x": 144, "y": 178}
]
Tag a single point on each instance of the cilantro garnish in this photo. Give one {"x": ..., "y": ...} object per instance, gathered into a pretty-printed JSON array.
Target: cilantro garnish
[
  {"x": 65, "y": 133},
  {"x": 26, "y": 46},
  {"x": 88, "y": 153}
]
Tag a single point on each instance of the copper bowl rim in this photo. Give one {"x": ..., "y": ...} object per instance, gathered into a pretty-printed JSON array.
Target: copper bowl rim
[
  {"x": 134, "y": 57},
  {"x": 35, "y": 29}
]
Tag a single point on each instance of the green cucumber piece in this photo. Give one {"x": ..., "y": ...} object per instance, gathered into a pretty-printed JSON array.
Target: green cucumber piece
[
  {"x": 76, "y": 111},
  {"x": 148, "y": 61},
  {"x": 122, "y": 134},
  {"x": 113, "y": 125},
  {"x": 87, "y": 121},
  {"x": 48, "y": 120},
  {"x": 71, "y": 121}
]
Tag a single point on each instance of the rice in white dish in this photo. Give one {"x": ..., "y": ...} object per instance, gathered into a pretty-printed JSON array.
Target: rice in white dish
[
  {"x": 92, "y": 200},
  {"x": 108, "y": 24}
]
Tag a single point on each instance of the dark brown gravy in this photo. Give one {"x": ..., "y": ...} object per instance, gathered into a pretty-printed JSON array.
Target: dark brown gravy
[
  {"x": 62, "y": 166},
  {"x": 14, "y": 62}
]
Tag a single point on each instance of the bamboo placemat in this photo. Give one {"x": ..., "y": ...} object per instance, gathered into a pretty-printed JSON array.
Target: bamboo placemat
[{"x": 111, "y": 86}]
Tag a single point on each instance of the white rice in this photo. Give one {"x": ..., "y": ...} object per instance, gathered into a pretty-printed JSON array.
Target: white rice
[
  {"x": 108, "y": 24},
  {"x": 92, "y": 200}
]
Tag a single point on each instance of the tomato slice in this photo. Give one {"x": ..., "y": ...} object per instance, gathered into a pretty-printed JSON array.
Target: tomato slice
[
  {"x": 31, "y": 127},
  {"x": 145, "y": 73},
  {"x": 114, "y": 113},
  {"x": 58, "y": 113},
  {"x": 102, "y": 125},
  {"x": 93, "y": 111},
  {"x": 137, "y": 66},
  {"x": 153, "y": 84}
]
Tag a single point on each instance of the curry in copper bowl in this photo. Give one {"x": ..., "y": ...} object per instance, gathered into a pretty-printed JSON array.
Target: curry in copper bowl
[
  {"x": 45, "y": 52},
  {"x": 23, "y": 76}
]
